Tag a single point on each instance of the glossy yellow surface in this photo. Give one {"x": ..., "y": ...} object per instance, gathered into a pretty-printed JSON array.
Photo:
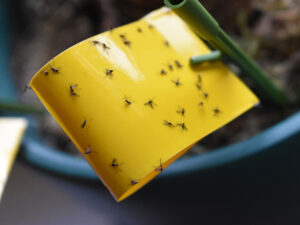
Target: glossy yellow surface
[
  {"x": 11, "y": 132},
  {"x": 130, "y": 121}
]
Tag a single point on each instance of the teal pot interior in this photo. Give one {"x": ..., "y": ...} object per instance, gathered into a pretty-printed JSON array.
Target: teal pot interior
[{"x": 277, "y": 143}]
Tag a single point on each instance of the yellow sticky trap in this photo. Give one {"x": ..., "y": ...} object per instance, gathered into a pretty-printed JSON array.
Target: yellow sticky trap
[
  {"x": 11, "y": 132},
  {"x": 131, "y": 102}
]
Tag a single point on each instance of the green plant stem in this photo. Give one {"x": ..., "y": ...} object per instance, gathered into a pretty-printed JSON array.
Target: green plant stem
[
  {"x": 212, "y": 56},
  {"x": 16, "y": 107},
  {"x": 197, "y": 17},
  {"x": 252, "y": 69}
]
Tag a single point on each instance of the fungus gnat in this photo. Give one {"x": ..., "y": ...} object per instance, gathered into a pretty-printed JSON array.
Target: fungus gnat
[
  {"x": 170, "y": 67},
  {"x": 122, "y": 36},
  {"x": 178, "y": 64},
  {"x": 109, "y": 72},
  {"x": 127, "y": 101},
  {"x": 198, "y": 86},
  {"x": 126, "y": 42},
  {"x": 160, "y": 167},
  {"x": 72, "y": 90},
  {"x": 83, "y": 124},
  {"x": 205, "y": 95},
  {"x": 150, "y": 103},
  {"x": 168, "y": 123},
  {"x": 182, "y": 126},
  {"x": 181, "y": 111},
  {"x": 114, "y": 164},
  {"x": 217, "y": 111},
  {"x": 55, "y": 70},
  {"x": 105, "y": 46},
  {"x": 26, "y": 87},
  {"x": 150, "y": 26},
  {"x": 163, "y": 72},
  {"x": 177, "y": 82},
  {"x": 95, "y": 42},
  {"x": 199, "y": 78},
  {"x": 133, "y": 182},
  {"x": 88, "y": 150}
]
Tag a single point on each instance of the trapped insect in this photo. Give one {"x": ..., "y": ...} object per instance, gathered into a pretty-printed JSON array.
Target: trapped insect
[
  {"x": 115, "y": 164},
  {"x": 126, "y": 42},
  {"x": 133, "y": 182},
  {"x": 55, "y": 70},
  {"x": 198, "y": 86},
  {"x": 177, "y": 82},
  {"x": 160, "y": 167},
  {"x": 199, "y": 78},
  {"x": 178, "y": 64},
  {"x": 26, "y": 87},
  {"x": 201, "y": 104},
  {"x": 182, "y": 126},
  {"x": 139, "y": 30},
  {"x": 46, "y": 72},
  {"x": 122, "y": 36},
  {"x": 217, "y": 111},
  {"x": 72, "y": 90},
  {"x": 168, "y": 123},
  {"x": 150, "y": 103},
  {"x": 95, "y": 42},
  {"x": 167, "y": 43},
  {"x": 83, "y": 124},
  {"x": 163, "y": 72},
  {"x": 127, "y": 101},
  {"x": 109, "y": 72},
  {"x": 105, "y": 46},
  {"x": 181, "y": 111},
  {"x": 88, "y": 150},
  {"x": 150, "y": 26},
  {"x": 205, "y": 94}
]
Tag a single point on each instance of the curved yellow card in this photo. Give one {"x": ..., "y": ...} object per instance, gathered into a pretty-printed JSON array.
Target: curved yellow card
[{"x": 131, "y": 102}]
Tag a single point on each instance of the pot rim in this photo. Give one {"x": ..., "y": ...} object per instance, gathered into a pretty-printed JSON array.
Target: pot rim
[{"x": 74, "y": 166}]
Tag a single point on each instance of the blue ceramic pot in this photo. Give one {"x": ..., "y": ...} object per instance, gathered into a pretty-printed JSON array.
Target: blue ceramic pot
[{"x": 278, "y": 140}]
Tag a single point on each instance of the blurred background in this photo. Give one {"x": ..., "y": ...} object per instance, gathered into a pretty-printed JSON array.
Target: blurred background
[{"x": 269, "y": 30}]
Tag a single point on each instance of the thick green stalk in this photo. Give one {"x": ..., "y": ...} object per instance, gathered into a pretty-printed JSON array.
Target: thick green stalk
[
  {"x": 196, "y": 16},
  {"x": 253, "y": 70}
]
